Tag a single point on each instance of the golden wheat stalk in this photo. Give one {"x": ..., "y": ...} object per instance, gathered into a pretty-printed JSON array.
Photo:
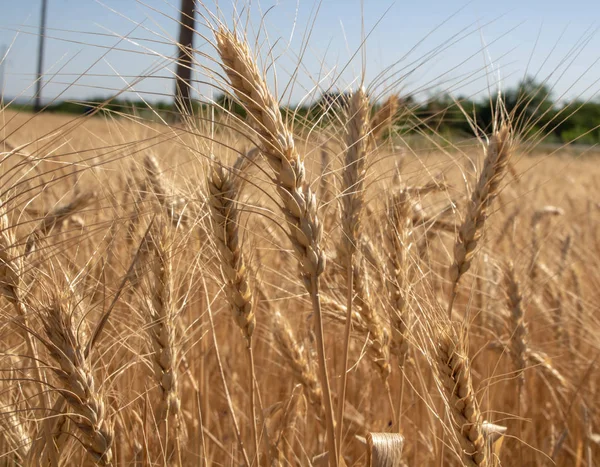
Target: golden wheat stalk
[
  {"x": 498, "y": 152},
  {"x": 77, "y": 384},
  {"x": 299, "y": 204},
  {"x": 161, "y": 329},
  {"x": 223, "y": 191},
  {"x": 455, "y": 378},
  {"x": 399, "y": 239},
  {"x": 518, "y": 338}
]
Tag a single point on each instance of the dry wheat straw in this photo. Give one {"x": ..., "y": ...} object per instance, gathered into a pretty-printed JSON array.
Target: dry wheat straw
[{"x": 498, "y": 152}]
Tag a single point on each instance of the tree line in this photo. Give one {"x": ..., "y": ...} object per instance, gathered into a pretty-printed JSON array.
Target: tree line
[{"x": 530, "y": 104}]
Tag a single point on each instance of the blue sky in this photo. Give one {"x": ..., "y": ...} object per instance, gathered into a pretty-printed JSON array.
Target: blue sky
[{"x": 422, "y": 47}]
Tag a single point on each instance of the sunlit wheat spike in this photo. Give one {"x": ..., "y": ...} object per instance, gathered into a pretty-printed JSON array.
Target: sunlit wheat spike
[
  {"x": 498, "y": 153},
  {"x": 518, "y": 338},
  {"x": 56, "y": 216},
  {"x": 354, "y": 173},
  {"x": 223, "y": 191},
  {"x": 298, "y": 203},
  {"x": 384, "y": 117},
  {"x": 455, "y": 378},
  {"x": 77, "y": 383},
  {"x": 278, "y": 146},
  {"x": 400, "y": 243},
  {"x": 161, "y": 328}
]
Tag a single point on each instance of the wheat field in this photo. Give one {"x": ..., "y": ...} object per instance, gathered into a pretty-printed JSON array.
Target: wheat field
[{"x": 260, "y": 291}]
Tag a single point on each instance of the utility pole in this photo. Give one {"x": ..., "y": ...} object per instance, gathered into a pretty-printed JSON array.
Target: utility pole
[
  {"x": 37, "y": 106},
  {"x": 183, "y": 74},
  {"x": 3, "y": 59}
]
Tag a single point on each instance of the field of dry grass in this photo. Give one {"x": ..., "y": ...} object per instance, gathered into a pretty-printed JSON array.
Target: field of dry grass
[{"x": 178, "y": 295}]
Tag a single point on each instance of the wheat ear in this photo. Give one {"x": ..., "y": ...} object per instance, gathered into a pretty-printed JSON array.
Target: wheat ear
[
  {"x": 299, "y": 204},
  {"x": 161, "y": 328},
  {"x": 378, "y": 335},
  {"x": 353, "y": 197},
  {"x": 15, "y": 434},
  {"x": 156, "y": 183},
  {"x": 223, "y": 193},
  {"x": 11, "y": 283},
  {"x": 358, "y": 128},
  {"x": 384, "y": 116},
  {"x": 223, "y": 190},
  {"x": 455, "y": 377},
  {"x": 77, "y": 382},
  {"x": 538, "y": 216},
  {"x": 56, "y": 216},
  {"x": 518, "y": 338},
  {"x": 400, "y": 240},
  {"x": 297, "y": 361},
  {"x": 498, "y": 152}
]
